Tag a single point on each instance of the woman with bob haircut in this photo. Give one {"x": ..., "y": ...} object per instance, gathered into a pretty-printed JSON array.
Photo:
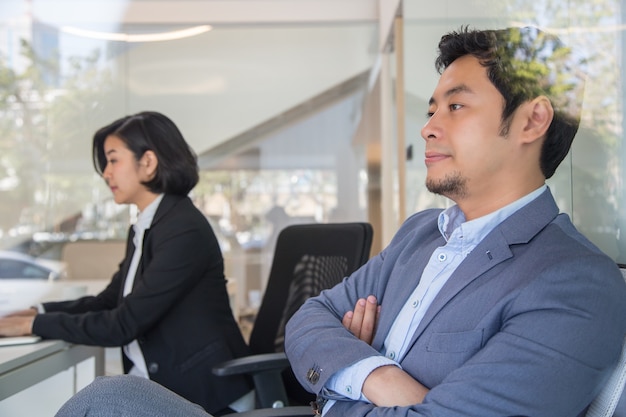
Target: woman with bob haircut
[{"x": 167, "y": 305}]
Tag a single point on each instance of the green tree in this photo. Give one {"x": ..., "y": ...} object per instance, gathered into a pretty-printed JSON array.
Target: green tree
[{"x": 45, "y": 136}]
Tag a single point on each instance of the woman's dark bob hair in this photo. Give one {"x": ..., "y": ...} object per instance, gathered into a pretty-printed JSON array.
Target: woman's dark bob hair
[{"x": 177, "y": 169}]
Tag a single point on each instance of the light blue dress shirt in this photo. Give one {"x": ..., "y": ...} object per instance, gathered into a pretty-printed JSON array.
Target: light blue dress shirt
[{"x": 461, "y": 238}]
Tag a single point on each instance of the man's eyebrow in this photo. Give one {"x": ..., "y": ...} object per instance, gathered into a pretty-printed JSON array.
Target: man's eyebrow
[
  {"x": 462, "y": 88},
  {"x": 109, "y": 152}
]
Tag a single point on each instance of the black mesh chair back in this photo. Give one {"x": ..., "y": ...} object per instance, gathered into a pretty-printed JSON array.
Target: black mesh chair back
[{"x": 308, "y": 258}]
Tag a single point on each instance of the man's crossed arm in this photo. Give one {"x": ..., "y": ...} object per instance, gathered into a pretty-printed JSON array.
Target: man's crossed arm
[{"x": 386, "y": 386}]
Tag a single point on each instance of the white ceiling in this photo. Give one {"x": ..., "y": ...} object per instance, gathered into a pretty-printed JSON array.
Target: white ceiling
[
  {"x": 262, "y": 58},
  {"x": 206, "y": 11}
]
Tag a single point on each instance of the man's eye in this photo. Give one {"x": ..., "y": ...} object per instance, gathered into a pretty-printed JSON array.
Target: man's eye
[{"x": 455, "y": 106}]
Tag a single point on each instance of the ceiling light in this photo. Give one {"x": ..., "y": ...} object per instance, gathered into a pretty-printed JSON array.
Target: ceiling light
[{"x": 139, "y": 37}]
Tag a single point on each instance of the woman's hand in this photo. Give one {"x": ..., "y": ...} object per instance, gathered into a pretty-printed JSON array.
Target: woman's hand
[
  {"x": 16, "y": 325},
  {"x": 29, "y": 312}
]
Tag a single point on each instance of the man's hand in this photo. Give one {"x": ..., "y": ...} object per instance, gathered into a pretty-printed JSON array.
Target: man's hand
[
  {"x": 363, "y": 320},
  {"x": 390, "y": 386},
  {"x": 387, "y": 386}
]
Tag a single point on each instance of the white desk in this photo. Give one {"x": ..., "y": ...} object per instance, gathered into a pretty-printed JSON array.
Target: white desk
[{"x": 36, "y": 379}]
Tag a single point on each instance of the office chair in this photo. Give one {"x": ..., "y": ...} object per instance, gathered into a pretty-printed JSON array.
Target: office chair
[
  {"x": 605, "y": 403},
  {"x": 307, "y": 259}
]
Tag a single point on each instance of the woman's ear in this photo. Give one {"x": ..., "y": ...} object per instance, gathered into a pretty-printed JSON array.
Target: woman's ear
[
  {"x": 149, "y": 163},
  {"x": 539, "y": 115}
]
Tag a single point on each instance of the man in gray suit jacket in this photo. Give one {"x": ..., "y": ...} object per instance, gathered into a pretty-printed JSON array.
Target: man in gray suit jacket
[{"x": 496, "y": 306}]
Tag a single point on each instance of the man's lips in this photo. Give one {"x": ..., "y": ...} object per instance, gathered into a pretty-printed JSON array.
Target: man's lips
[{"x": 432, "y": 157}]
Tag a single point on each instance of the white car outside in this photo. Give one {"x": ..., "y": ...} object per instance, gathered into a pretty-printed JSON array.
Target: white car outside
[{"x": 26, "y": 281}]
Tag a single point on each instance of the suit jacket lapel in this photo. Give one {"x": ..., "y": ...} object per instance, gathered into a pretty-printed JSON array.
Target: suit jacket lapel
[
  {"x": 167, "y": 203},
  {"x": 477, "y": 263},
  {"x": 410, "y": 274},
  {"x": 130, "y": 249},
  {"x": 519, "y": 228}
]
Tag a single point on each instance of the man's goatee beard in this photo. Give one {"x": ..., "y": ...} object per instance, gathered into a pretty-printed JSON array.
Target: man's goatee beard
[{"x": 452, "y": 186}]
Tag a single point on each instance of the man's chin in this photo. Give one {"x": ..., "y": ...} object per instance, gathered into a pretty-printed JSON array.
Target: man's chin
[{"x": 450, "y": 186}]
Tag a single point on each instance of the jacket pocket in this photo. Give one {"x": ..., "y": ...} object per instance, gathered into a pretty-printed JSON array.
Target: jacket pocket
[{"x": 468, "y": 341}]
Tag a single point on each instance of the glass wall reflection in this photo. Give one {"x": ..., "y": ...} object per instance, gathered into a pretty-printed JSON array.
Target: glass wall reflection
[
  {"x": 588, "y": 185},
  {"x": 273, "y": 112},
  {"x": 63, "y": 76}
]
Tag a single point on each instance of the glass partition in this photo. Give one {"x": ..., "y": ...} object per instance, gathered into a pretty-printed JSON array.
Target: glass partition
[
  {"x": 310, "y": 170},
  {"x": 63, "y": 76},
  {"x": 588, "y": 185}
]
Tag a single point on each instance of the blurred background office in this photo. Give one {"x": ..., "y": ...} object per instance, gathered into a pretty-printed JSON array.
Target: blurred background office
[{"x": 299, "y": 111}]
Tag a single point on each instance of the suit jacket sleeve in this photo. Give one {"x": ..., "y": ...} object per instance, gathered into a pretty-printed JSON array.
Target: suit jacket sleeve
[{"x": 174, "y": 258}]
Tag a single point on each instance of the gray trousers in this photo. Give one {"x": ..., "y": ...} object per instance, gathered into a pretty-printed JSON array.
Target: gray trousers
[{"x": 128, "y": 396}]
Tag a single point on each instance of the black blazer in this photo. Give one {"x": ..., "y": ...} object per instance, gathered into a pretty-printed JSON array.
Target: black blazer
[{"x": 178, "y": 309}]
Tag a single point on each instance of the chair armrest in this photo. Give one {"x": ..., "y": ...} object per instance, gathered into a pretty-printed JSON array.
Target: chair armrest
[
  {"x": 252, "y": 364},
  {"x": 276, "y": 412},
  {"x": 265, "y": 370}
]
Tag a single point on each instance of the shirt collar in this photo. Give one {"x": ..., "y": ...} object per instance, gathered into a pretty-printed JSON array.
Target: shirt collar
[
  {"x": 144, "y": 219},
  {"x": 475, "y": 230}
]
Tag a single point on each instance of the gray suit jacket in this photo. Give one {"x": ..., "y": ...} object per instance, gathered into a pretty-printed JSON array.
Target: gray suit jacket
[{"x": 528, "y": 325}]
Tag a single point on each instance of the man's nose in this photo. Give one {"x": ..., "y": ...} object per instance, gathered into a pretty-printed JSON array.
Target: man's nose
[{"x": 430, "y": 130}]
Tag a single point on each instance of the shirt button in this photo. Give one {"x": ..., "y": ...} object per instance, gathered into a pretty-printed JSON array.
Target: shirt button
[
  {"x": 442, "y": 257},
  {"x": 415, "y": 303},
  {"x": 348, "y": 389},
  {"x": 391, "y": 355}
]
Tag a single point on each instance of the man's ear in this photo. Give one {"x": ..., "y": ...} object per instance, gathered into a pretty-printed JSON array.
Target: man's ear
[
  {"x": 539, "y": 114},
  {"x": 149, "y": 163}
]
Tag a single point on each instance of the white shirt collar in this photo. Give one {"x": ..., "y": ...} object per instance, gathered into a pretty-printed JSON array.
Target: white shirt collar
[{"x": 144, "y": 218}]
